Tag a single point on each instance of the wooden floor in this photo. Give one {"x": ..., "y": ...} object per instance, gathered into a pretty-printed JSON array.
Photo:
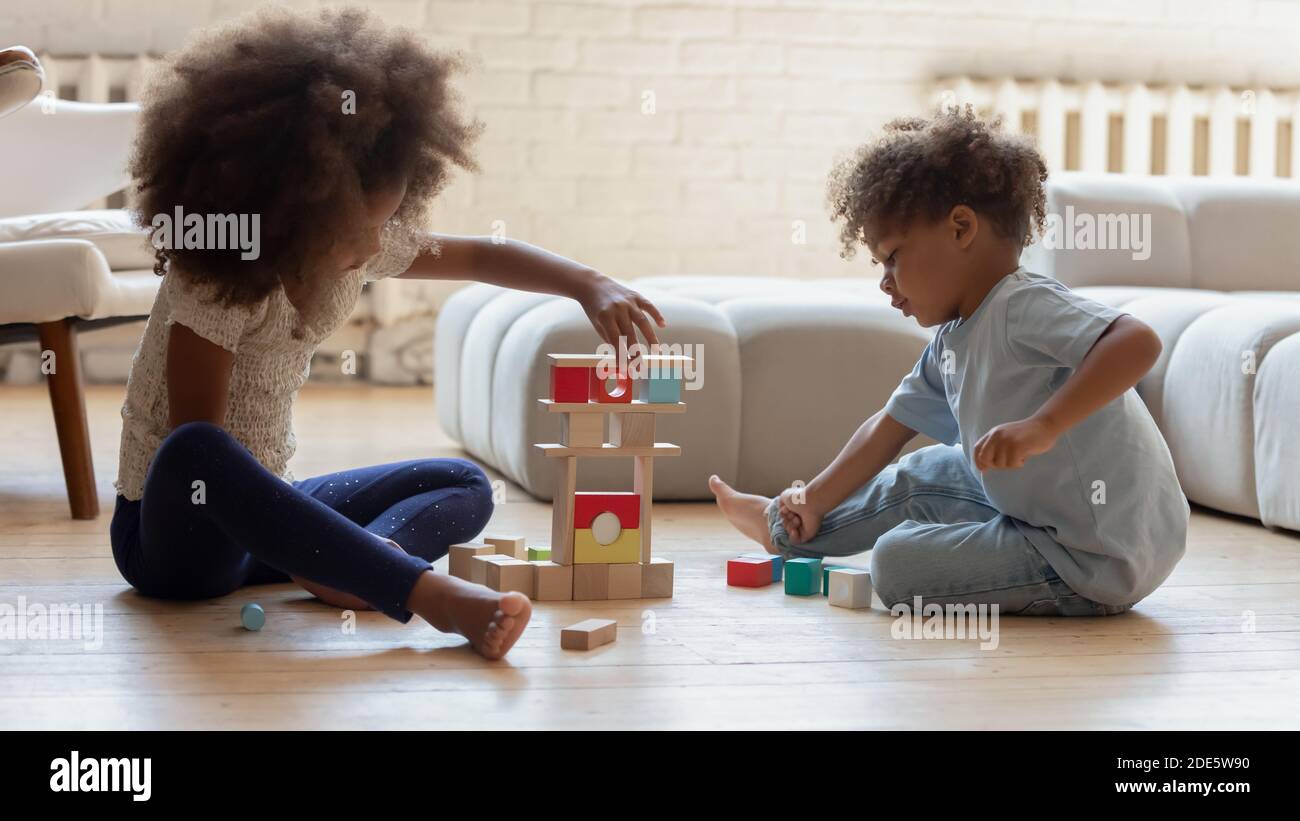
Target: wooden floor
[{"x": 1218, "y": 647}]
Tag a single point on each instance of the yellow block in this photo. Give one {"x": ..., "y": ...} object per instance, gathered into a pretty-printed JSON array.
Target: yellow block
[{"x": 626, "y": 549}]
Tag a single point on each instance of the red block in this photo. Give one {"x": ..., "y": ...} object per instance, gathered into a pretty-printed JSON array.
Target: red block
[
  {"x": 747, "y": 572},
  {"x": 571, "y": 384},
  {"x": 626, "y": 506},
  {"x": 600, "y": 388}
]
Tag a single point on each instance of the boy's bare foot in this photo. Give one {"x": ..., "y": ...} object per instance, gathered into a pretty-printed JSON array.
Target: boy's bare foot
[
  {"x": 747, "y": 512},
  {"x": 491, "y": 621}
]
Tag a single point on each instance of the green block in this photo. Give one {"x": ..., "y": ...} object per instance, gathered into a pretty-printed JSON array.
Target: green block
[
  {"x": 539, "y": 554},
  {"x": 252, "y": 616},
  {"x": 803, "y": 577},
  {"x": 826, "y": 576}
]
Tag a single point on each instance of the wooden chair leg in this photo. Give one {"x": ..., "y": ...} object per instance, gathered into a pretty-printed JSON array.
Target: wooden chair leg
[{"x": 68, "y": 399}]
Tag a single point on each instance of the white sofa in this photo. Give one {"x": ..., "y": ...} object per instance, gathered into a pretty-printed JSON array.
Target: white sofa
[{"x": 792, "y": 367}]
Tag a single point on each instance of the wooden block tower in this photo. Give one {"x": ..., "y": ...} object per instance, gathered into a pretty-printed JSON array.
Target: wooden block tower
[{"x": 602, "y": 541}]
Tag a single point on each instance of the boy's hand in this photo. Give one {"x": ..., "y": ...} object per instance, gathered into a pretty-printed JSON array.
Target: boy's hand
[
  {"x": 800, "y": 520},
  {"x": 1008, "y": 446},
  {"x": 616, "y": 310}
]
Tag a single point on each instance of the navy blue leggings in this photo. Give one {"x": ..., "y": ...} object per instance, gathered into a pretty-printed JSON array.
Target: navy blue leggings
[{"x": 252, "y": 527}]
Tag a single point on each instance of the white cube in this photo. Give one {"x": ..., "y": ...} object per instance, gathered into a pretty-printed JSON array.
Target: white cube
[{"x": 850, "y": 587}]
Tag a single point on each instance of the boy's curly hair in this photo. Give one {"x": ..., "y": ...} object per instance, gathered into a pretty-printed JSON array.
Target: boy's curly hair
[
  {"x": 249, "y": 118},
  {"x": 923, "y": 168}
]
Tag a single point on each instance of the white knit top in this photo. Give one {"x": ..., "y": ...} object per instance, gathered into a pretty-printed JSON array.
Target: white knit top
[{"x": 269, "y": 368}]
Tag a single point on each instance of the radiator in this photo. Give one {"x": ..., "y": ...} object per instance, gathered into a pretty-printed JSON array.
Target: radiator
[{"x": 1140, "y": 129}]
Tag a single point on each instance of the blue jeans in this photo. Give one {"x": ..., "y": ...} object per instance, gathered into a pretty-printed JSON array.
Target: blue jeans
[
  {"x": 933, "y": 533},
  {"x": 244, "y": 525}
]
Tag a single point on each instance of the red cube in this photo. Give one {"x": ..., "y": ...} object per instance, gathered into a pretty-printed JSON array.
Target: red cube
[
  {"x": 749, "y": 572},
  {"x": 571, "y": 384}
]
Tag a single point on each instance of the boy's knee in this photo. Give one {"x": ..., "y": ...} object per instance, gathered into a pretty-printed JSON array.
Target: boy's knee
[{"x": 890, "y": 572}]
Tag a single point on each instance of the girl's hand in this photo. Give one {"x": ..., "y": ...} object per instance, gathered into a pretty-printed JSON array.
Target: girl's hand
[
  {"x": 616, "y": 310},
  {"x": 1006, "y": 447},
  {"x": 800, "y": 520}
]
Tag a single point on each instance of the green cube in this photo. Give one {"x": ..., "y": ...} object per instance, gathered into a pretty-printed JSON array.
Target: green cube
[
  {"x": 539, "y": 554},
  {"x": 803, "y": 577}
]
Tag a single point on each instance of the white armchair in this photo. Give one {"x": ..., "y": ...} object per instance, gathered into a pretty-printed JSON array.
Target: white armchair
[{"x": 63, "y": 270}]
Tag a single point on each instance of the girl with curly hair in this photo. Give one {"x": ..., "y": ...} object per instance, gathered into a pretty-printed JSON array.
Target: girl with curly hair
[
  {"x": 1053, "y": 492},
  {"x": 331, "y": 136}
]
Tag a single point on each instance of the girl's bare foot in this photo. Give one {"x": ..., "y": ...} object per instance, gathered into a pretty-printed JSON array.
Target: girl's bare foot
[
  {"x": 747, "y": 512},
  {"x": 491, "y": 621}
]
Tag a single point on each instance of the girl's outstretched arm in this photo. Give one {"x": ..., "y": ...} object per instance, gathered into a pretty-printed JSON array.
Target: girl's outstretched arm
[{"x": 614, "y": 309}]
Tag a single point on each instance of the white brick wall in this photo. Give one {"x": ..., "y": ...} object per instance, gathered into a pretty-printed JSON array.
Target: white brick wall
[{"x": 753, "y": 99}]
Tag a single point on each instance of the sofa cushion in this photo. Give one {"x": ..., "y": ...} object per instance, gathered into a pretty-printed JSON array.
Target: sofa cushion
[{"x": 124, "y": 246}]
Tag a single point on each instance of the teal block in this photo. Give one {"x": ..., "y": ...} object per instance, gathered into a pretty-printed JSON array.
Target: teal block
[
  {"x": 252, "y": 616},
  {"x": 803, "y": 577},
  {"x": 661, "y": 389},
  {"x": 777, "y": 562},
  {"x": 826, "y": 576}
]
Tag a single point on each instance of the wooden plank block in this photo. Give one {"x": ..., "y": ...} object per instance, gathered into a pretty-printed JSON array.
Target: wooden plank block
[
  {"x": 459, "y": 556},
  {"x": 624, "y": 407},
  {"x": 478, "y": 566},
  {"x": 659, "y": 449},
  {"x": 511, "y": 574},
  {"x": 643, "y": 478},
  {"x": 552, "y": 582},
  {"x": 566, "y": 482},
  {"x": 590, "y": 582},
  {"x": 850, "y": 587},
  {"x": 632, "y": 429},
  {"x": 625, "y": 581},
  {"x": 657, "y": 579},
  {"x": 582, "y": 430},
  {"x": 512, "y": 546},
  {"x": 589, "y": 634},
  {"x": 577, "y": 360}
]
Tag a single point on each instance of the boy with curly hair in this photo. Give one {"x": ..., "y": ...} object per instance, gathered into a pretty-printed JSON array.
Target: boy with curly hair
[{"x": 1053, "y": 492}]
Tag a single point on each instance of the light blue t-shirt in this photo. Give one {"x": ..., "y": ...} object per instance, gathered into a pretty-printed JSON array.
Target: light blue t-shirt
[{"x": 1103, "y": 505}]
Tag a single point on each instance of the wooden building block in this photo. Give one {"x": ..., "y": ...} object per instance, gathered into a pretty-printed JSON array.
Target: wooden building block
[
  {"x": 625, "y": 581},
  {"x": 582, "y": 430},
  {"x": 511, "y": 574},
  {"x": 566, "y": 481},
  {"x": 626, "y": 549},
  {"x": 459, "y": 556},
  {"x": 826, "y": 581},
  {"x": 749, "y": 572},
  {"x": 590, "y": 582},
  {"x": 657, "y": 579},
  {"x": 587, "y": 506},
  {"x": 643, "y": 480},
  {"x": 478, "y": 566},
  {"x": 600, "y": 390},
  {"x": 512, "y": 546},
  {"x": 850, "y": 587},
  {"x": 777, "y": 562},
  {"x": 631, "y": 429},
  {"x": 659, "y": 390},
  {"x": 552, "y": 582},
  {"x": 803, "y": 577},
  {"x": 635, "y": 406},
  {"x": 571, "y": 384},
  {"x": 578, "y": 360},
  {"x": 589, "y": 634},
  {"x": 539, "y": 554}
]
